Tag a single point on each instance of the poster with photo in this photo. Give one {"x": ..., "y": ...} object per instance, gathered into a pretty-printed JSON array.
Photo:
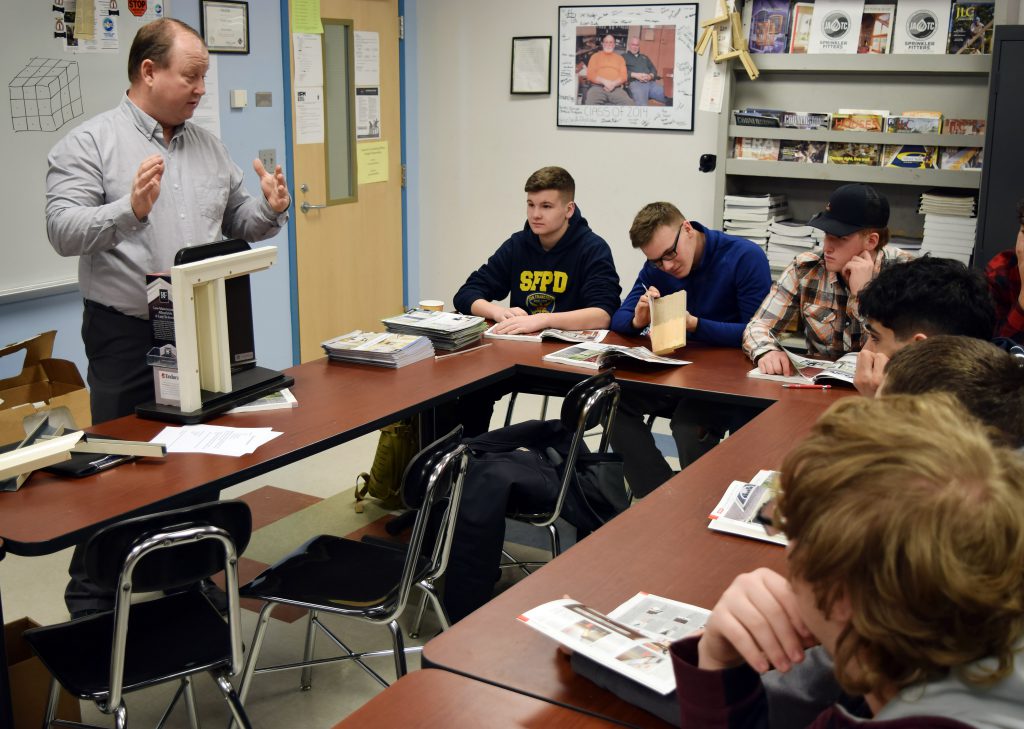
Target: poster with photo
[{"x": 627, "y": 66}]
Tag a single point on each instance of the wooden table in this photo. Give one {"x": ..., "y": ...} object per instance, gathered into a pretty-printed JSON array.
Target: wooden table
[
  {"x": 661, "y": 545},
  {"x": 430, "y": 698},
  {"x": 339, "y": 402}
]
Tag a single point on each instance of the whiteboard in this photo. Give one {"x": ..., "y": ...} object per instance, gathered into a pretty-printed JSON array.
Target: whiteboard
[{"x": 32, "y": 60}]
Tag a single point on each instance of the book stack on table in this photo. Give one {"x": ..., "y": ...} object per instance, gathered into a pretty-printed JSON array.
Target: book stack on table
[
  {"x": 445, "y": 329},
  {"x": 378, "y": 348}
]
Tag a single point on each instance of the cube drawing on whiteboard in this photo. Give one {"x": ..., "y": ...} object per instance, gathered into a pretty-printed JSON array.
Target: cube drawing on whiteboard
[{"x": 45, "y": 95}]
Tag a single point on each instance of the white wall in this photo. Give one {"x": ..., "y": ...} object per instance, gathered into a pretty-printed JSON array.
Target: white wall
[{"x": 472, "y": 145}]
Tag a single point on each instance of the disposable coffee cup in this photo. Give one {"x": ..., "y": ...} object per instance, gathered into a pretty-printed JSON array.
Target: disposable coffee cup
[{"x": 432, "y": 305}]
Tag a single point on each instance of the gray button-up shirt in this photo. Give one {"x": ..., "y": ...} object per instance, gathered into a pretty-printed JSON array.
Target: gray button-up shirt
[{"x": 88, "y": 202}]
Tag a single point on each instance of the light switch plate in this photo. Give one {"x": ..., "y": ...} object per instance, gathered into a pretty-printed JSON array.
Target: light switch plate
[
  {"x": 264, "y": 98},
  {"x": 269, "y": 159}
]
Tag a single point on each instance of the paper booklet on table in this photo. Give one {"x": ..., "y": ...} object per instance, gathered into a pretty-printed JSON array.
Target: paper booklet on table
[
  {"x": 632, "y": 640},
  {"x": 581, "y": 335},
  {"x": 594, "y": 356},
  {"x": 668, "y": 322},
  {"x": 814, "y": 371},
  {"x": 746, "y": 509}
]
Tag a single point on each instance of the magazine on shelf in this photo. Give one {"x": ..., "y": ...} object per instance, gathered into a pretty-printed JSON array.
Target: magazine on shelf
[
  {"x": 800, "y": 27},
  {"x": 747, "y": 508},
  {"x": 756, "y": 148},
  {"x": 910, "y": 156},
  {"x": 876, "y": 28},
  {"x": 581, "y": 335},
  {"x": 769, "y": 26},
  {"x": 806, "y": 120},
  {"x": 964, "y": 126},
  {"x": 859, "y": 121},
  {"x": 594, "y": 355},
  {"x": 851, "y": 153},
  {"x": 922, "y": 26},
  {"x": 810, "y": 371},
  {"x": 632, "y": 640},
  {"x": 971, "y": 26},
  {"x": 835, "y": 26},
  {"x": 960, "y": 158},
  {"x": 802, "y": 150},
  {"x": 914, "y": 124}
]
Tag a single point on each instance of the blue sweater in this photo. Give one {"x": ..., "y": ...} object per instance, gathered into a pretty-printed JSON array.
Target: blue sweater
[
  {"x": 577, "y": 273},
  {"x": 723, "y": 291}
]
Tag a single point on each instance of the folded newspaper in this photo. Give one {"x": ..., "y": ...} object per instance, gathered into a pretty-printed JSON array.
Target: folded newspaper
[
  {"x": 747, "y": 509},
  {"x": 632, "y": 640},
  {"x": 581, "y": 335},
  {"x": 814, "y": 371},
  {"x": 594, "y": 356}
]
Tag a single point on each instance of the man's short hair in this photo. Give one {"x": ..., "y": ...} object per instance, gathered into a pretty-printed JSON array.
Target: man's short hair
[
  {"x": 155, "y": 41},
  {"x": 986, "y": 380},
  {"x": 552, "y": 178},
  {"x": 903, "y": 506},
  {"x": 931, "y": 296},
  {"x": 651, "y": 217}
]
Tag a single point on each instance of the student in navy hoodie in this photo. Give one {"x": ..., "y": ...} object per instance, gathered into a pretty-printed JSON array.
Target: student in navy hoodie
[
  {"x": 556, "y": 272},
  {"x": 725, "y": 278}
]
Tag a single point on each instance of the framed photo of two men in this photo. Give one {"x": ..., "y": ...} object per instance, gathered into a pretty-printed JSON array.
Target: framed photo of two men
[{"x": 627, "y": 66}]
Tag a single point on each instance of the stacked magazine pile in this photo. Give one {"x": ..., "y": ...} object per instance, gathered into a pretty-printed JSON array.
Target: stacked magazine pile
[
  {"x": 446, "y": 330},
  {"x": 594, "y": 355},
  {"x": 378, "y": 348},
  {"x": 787, "y": 239},
  {"x": 949, "y": 225},
  {"x": 749, "y": 216}
]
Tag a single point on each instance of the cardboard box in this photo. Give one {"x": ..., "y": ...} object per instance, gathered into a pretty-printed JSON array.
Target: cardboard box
[
  {"x": 30, "y": 681},
  {"x": 44, "y": 383}
]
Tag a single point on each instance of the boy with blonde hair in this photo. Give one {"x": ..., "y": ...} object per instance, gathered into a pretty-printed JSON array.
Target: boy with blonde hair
[{"x": 906, "y": 529}]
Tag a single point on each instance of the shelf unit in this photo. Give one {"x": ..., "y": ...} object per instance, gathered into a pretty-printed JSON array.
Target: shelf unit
[{"x": 957, "y": 86}]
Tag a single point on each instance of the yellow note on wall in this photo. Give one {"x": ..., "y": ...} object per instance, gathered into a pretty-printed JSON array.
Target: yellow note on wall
[{"x": 372, "y": 161}]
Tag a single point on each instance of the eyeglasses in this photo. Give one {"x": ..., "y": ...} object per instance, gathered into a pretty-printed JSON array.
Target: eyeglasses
[{"x": 670, "y": 253}]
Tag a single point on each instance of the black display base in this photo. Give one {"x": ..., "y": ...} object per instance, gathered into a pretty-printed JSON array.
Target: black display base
[{"x": 246, "y": 386}]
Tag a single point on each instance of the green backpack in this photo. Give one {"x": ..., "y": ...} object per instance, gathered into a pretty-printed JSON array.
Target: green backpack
[{"x": 398, "y": 443}]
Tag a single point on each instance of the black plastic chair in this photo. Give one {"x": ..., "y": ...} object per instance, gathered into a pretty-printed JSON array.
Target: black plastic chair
[
  {"x": 367, "y": 580},
  {"x": 143, "y": 642},
  {"x": 589, "y": 404}
]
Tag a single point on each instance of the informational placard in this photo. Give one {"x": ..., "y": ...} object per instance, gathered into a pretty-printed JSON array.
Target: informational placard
[
  {"x": 835, "y": 26},
  {"x": 922, "y": 26},
  {"x": 367, "y": 58}
]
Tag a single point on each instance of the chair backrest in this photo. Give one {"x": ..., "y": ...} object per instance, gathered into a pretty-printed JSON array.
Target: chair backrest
[
  {"x": 167, "y": 569},
  {"x": 166, "y": 551},
  {"x": 588, "y": 404},
  {"x": 432, "y": 485}
]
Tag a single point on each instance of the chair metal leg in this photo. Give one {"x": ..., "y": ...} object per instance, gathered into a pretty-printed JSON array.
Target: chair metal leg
[
  {"x": 51, "y": 703},
  {"x": 170, "y": 707},
  {"x": 511, "y": 404},
  {"x": 415, "y": 632},
  {"x": 544, "y": 408},
  {"x": 121, "y": 716},
  {"x": 430, "y": 592},
  {"x": 190, "y": 702},
  {"x": 556, "y": 542},
  {"x": 399, "y": 644},
  {"x": 254, "y": 651},
  {"x": 306, "y": 679},
  {"x": 234, "y": 703}
]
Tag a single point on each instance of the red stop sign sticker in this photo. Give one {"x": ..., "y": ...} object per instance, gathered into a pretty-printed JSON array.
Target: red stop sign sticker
[{"x": 137, "y": 7}]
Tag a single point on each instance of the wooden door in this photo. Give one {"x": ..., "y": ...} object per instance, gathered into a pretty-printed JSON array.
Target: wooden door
[{"x": 349, "y": 254}]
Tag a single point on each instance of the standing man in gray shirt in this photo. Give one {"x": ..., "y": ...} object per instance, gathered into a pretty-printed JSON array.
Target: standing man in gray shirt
[
  {"x": 130, "y": 187},
  {"x": 124, "y": 192}
]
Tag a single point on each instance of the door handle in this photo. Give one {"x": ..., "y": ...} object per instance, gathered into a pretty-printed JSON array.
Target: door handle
[{"x": 306, "y": 207}]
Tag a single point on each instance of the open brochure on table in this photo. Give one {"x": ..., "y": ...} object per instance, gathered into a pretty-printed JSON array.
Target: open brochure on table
[
  {"x": 581, "y": 335},
  {"x": 746, "y": 509},
  {"x": 632, "y": 640},
  {"x": 815, "y": 371},
  {"x": 594, "y": 355}
]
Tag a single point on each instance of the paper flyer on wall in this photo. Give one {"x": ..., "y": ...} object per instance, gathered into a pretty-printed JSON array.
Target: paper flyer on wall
[
  {"x": 309, "y": 115},
  {"x": 631, "y": 640},
  {"x": 368, "y": 113},
  {"x": 367, "y": 57}
]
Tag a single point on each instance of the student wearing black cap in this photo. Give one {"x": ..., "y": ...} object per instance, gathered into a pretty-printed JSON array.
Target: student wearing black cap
[{"x": 821, "y": 287}]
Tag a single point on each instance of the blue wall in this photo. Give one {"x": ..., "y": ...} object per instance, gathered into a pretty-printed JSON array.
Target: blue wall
[{"x": 244, "y": 132}]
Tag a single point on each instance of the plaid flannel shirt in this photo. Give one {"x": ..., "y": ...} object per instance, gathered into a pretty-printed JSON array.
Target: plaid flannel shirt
[
  {"x": 1003, "y": 276},
  {"x": 831, "y": 322}
]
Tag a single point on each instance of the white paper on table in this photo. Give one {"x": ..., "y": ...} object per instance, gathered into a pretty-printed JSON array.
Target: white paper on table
[{"x": 214, "y": 439}]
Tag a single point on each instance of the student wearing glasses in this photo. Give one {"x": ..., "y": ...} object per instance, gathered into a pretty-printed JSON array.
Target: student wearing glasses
[{"x": 725, "y": 278}]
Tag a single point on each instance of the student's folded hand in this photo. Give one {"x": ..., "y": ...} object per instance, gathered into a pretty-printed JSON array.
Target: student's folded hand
[
  {"x": 757, "y": 622},
  {"x": 523, "y": 324},
  {"x": 505, "y": 314}
]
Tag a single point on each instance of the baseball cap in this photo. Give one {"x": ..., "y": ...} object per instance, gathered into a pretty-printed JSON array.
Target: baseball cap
[{"x": 851, "y": 208}]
